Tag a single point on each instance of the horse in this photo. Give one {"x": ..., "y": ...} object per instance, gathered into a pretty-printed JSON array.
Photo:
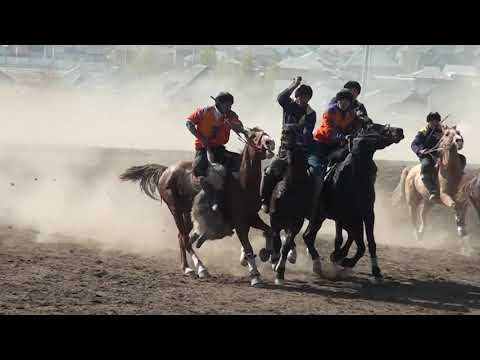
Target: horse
[
  {"x": 349, "y": 197},
  {"x": 241, "y": 198},
  {"x": 412, "y": 191},
  {"x": 288, "y": 204}
]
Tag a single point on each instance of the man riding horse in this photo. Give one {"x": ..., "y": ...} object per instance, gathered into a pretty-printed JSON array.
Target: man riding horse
[
  {"x": 423, "y": 145},
  {"x": 358, "y": 108},
  {"x": 299, "y": 118},
  {"x": 338, "y": 122},
  {"x": 211, "y": 127}
]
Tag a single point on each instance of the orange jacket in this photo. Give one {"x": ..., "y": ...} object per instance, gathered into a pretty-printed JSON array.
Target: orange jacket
[
  {"x": 334, "y": 122},
  {"x": 215, "y": 130}
]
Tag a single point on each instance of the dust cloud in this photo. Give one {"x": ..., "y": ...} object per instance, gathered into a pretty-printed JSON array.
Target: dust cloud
[{"x": 62, "y": 152}]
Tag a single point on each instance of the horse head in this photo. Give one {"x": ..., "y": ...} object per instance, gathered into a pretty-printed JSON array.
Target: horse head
[
  {"x": 260, "y": 144},
  {"x": 451, "y": 137},
  {"x": 377, "y": 136}
]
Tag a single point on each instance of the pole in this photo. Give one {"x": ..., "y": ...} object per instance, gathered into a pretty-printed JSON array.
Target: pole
[{"x": 366, "y": 60}]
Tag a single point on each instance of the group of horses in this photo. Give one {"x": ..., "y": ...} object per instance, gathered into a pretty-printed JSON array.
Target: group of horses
[{"x": 348, "y": 198}]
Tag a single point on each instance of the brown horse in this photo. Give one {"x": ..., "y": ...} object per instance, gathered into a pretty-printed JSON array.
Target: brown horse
[
  {"x": 242, "y": 199},
  {"x": 412, "y": 190}
]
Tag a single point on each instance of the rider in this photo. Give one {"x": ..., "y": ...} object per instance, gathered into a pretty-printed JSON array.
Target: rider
[
  {"x": 358, "y": 108},
  {"x": 299, "y": 117},
  {"x": 211, "y": 127},
  {"x": 426, "y": 140},
  {"x": 338, "y": 121}
]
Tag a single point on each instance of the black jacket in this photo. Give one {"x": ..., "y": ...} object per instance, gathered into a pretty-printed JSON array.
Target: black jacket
[
  {"x": 425, "y": 139},
  {"x": 294, "y": 115}
]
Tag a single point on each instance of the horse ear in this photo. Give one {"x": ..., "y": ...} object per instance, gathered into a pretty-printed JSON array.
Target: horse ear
[{"x": 454, "y": 127}]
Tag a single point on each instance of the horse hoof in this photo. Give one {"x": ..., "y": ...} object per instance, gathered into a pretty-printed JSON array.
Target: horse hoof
[
  {"x": 203, "y": 274},
  {"x": 317, "y": 267},
  {"x": 279, "y": 282},
  {"x": 256, "y": 282},
  {"x": 292, "y": 256},
  {"x": 377, "y": 280},
  {"x": 190, "y": 272},
  {"x": 264, "y": 255}
]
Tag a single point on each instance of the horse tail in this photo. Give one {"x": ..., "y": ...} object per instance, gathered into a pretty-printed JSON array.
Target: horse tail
[
  {"x": 148, "y": 175},
  {"x": 398, "y": 195}
]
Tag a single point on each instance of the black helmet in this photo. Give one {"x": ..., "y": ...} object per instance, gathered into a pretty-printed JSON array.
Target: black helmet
[
  {"x": 344, "y": 94},
  {"x": 433, "y": 116},
  {"x": 353, "y": 85},
  {"x": 224, "y": 97},
  {"x": 304, "y": 90}
]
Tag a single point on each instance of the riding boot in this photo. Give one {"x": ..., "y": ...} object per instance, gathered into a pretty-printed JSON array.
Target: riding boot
[
  {"x": 430, "y": 185},
  {"x": 269, "y": 182}
]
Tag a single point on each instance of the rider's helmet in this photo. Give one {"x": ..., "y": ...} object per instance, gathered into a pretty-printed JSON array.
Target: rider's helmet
[{"x": 433, "y": 116}]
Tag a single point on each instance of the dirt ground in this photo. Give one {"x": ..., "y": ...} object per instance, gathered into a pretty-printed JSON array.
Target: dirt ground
[{"x": 74, "y": 240}]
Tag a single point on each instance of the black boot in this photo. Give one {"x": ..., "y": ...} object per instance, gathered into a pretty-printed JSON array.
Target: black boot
[{"x": 269, "y": 182}]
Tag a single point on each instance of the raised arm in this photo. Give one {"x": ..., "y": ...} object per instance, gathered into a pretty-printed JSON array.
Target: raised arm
[{"x": 284, "y": 97}]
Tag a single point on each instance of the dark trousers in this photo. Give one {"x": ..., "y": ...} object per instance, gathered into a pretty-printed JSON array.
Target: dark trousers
[
  {"x": 230, "y": 160},
  {"x": 427, "y": 168}
]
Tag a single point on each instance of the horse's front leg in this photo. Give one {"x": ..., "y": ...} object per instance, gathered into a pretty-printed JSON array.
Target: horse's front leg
[
  {"x": 289, "y": 245},
  {"x": 259, "y": 224},
  {"x": 335, "y": 255},
  {"x": 372, "y": 245},
  {"x": 423, "y": 209},
  {"x": 357, "y": 233},
  {"x": 242, "y": 233},
  {"x": 309, "y": 238},
  {"x": 460, "y": 215}
]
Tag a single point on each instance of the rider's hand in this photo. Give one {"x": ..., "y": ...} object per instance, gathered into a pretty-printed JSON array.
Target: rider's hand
[
  {"x": 422, "y": 152},
  {"x": 296, "y": 81}
]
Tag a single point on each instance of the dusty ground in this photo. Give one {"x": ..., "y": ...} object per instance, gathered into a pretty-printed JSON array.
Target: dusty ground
[{"x": 73, "y": 240}]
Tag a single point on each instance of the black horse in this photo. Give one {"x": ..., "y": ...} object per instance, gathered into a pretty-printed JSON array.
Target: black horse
[
  {"x": 289, "y": 203},
  {"x": 349, "y": 196}
]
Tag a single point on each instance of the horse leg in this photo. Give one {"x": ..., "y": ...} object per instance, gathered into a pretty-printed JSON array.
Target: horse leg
[
  {"x": 291, "y": 232},
  {"x": 412, "y": 208},
  {"x": 309, "y": 238},
  {"x": 242, "y": 233},
  {"x": 346, "y": 248},
  {"x": 460, "y": 215},
  {"x": 276, "y": 241},
  {"x": 259, "y": 224},
  {"x": 372, "y": 246},
  {"x": 183, "y": 240},
  {"x": 423, "y": 210},
  {"x": 202, "y": 271},
  {"x": 357, "y": 232},
  {"x": 335, "y": 255}
]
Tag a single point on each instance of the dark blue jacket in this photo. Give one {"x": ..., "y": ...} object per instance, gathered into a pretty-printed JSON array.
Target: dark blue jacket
[
  {"x": 425, "y": 139},
  {"x": 296, "y": 116}
]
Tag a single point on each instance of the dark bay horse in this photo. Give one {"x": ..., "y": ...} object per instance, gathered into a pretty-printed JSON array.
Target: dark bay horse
[
  {"x": 349, "y": 197},
  {"x": 289, "y": 204},
  {"x": 241, "y": 199}
]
